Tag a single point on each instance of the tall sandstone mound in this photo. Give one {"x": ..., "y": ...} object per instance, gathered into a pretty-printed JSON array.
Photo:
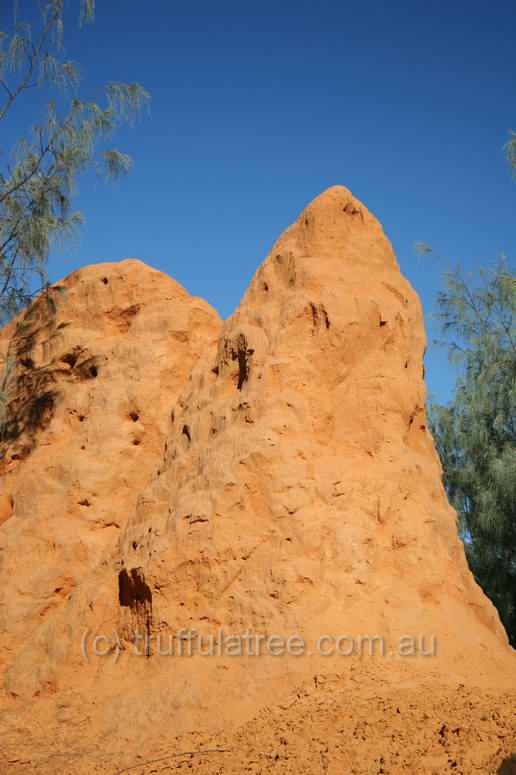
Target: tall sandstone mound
[
  {"x": 164, "y": 471},
  {"x": 94, "y": 369}
]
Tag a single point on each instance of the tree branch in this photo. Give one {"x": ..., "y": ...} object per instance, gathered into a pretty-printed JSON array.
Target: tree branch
[{"x": 24, "y": 84}]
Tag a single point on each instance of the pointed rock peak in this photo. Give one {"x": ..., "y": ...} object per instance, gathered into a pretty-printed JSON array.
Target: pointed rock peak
[
  {"x": 172, "y": 481},
  {"x": 337, "y": 224},
  {"x": 334, "y": 197},
  {"x": 299, "y": 457}
]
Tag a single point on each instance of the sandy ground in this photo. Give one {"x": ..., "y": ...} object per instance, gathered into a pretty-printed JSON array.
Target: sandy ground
[{"x": 362, "y": 726}]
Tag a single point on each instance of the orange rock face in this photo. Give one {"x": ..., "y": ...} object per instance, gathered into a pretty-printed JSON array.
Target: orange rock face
[
  {"x": 167, "y": 476},
  {"x": 95, "y": 373}
]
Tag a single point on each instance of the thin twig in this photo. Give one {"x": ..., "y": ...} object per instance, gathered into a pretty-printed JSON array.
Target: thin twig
[
  {"x": 9, "y": 92},
  {"x": 173, "y": 756},
  {"x": 32, "y": 64}
]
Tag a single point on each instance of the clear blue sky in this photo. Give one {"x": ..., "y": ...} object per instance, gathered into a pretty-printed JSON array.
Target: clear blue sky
[{"x": 258, "y": 106}]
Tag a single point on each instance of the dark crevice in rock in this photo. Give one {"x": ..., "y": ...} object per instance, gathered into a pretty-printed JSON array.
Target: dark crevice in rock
[
  {"x": 70, "y": 358},
  {"x": 134, "y": 593},
  {"x": 319, "y": 315},
  {"x": 243, "y": 355},
  {"x": 350, "y": 209}
]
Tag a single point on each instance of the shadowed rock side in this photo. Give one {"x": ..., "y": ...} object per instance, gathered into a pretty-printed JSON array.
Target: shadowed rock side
[
  {"x": 96, "y": 366},
  {"x": 294, "y": 489}
]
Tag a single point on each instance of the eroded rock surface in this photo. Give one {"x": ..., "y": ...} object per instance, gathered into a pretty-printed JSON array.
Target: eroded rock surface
[
  {"x": 94, "y": 372},
  {"x": 165, "y": 471}
]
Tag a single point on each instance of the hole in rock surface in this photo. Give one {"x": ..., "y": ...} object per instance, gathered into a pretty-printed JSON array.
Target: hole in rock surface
[
  {"x": 70, "y": 359},
  {"x": 86, "y": 369},
  {"x": 132, "y": 589}
]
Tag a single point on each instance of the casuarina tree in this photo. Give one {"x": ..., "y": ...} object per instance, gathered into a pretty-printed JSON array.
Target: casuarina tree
[
  {"x": 38, "y": 175},
  {"x": 475, "y": 433}
]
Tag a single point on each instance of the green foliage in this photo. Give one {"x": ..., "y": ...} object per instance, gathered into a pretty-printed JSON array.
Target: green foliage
[
  {"x": 510, "y": 149},
  {"x": 5, "y": 373},
  {"x": 38, "y": 179},
  {"x": 475, "y": 434},
  {"x": 422, "y": 248}
]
